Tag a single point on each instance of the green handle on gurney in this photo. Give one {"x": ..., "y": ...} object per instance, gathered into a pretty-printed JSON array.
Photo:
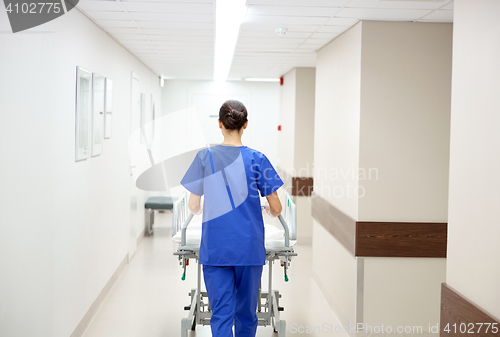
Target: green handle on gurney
[
  {"x": 183, "y": 276},
  {"x": 286, "y": 278}
]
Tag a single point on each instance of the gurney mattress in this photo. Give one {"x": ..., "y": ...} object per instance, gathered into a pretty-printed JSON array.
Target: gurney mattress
[{"x": 275, "y": 238}]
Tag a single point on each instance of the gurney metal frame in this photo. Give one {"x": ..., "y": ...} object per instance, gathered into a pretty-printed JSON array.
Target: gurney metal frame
[{"x": 268, "y": 313}]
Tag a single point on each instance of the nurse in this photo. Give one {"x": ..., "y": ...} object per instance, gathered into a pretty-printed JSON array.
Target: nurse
[{"x": 232, "y": 178}]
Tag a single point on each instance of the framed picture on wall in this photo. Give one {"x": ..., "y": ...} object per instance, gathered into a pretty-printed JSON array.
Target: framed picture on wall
[
  {"x": 142, "y": 117},
  {"x": 83, "y": 110},
  {"x": 108, "y": 108},
  {"x": 153, "y": 117},
  {"x": 98, "y": 103}
]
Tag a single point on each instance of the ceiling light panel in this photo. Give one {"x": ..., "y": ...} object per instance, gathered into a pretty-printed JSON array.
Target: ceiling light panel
[{"x": 229, "y": 14}]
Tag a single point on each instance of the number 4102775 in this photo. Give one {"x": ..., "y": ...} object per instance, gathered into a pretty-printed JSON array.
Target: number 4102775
[
  {"x": 34, "y": 8},
  {"x": 471, "y": 328}
]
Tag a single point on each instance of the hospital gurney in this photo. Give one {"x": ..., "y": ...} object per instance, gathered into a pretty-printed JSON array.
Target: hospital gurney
[{"x": 279, "y": 246}]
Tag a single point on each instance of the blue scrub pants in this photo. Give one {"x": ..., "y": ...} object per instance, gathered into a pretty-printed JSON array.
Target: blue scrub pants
[{"x": 233, "y": 293}]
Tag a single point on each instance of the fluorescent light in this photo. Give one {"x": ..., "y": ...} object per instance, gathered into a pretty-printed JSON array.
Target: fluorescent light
[
  {"x": 257, "y": 79},
  {"x": 229, "y": 14}
]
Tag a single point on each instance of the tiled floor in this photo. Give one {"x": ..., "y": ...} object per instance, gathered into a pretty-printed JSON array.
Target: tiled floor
[{"x": 149, "y": 296}]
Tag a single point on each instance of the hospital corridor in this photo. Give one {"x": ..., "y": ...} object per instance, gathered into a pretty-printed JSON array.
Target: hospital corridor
[{"x": 250, "y": 168}]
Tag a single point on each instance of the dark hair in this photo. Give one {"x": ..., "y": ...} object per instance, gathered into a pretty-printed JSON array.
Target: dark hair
[{"x": 233, "y": 115}]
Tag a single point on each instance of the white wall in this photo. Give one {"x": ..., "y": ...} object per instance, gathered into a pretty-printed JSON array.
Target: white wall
[
  {"x": 286, "y": 137},
  {"x": 337, "y": 118},
  {"x": 262, "y": 105},
  {"x": 64, "y": 226},
  {"x": 405, "y": 121},
  {"x": 473, "y": 267}
]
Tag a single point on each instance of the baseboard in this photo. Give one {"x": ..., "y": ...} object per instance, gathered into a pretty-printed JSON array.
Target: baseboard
[{"x": 84, "y": 323}]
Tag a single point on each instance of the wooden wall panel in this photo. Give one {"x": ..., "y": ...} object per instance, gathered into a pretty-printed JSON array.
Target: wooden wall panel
[
  {"x": 381, "y": 239},
  {"x": 302, "y": 187},
  {"x": 401, "y": 239}
]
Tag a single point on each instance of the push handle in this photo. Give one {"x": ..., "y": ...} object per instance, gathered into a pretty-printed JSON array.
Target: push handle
[
  {"x": 285, "y": 227},
  {"x": 184, "y": 227}
]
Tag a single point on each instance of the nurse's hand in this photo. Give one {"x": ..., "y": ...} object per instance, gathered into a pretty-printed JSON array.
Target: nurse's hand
[
  {"x": 195, "y": 204},
  {"x": 273, "y": 204},
  {"x": 268, "y": 208}
]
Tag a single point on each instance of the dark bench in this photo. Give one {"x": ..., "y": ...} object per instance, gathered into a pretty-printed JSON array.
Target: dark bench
[{"x": 157, "y": 204}]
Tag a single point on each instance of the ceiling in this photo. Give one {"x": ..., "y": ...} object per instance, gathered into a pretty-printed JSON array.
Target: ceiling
[{"x": 175, "y": 38}]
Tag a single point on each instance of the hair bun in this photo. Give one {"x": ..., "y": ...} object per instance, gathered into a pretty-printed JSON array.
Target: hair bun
[{"x": 233, "y": 114}]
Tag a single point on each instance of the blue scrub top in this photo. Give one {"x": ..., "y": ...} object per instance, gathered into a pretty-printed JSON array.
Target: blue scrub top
[{"x": 231, "y": 178}]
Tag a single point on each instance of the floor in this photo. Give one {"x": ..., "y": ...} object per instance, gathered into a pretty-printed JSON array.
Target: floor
[{"x": 149, "y": 297}]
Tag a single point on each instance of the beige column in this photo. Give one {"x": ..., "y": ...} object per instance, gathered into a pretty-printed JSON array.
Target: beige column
[{"x": 381, "y": 156}]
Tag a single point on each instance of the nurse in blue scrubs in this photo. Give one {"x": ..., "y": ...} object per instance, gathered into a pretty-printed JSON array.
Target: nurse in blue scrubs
[{"x": 232, "y": 178}]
